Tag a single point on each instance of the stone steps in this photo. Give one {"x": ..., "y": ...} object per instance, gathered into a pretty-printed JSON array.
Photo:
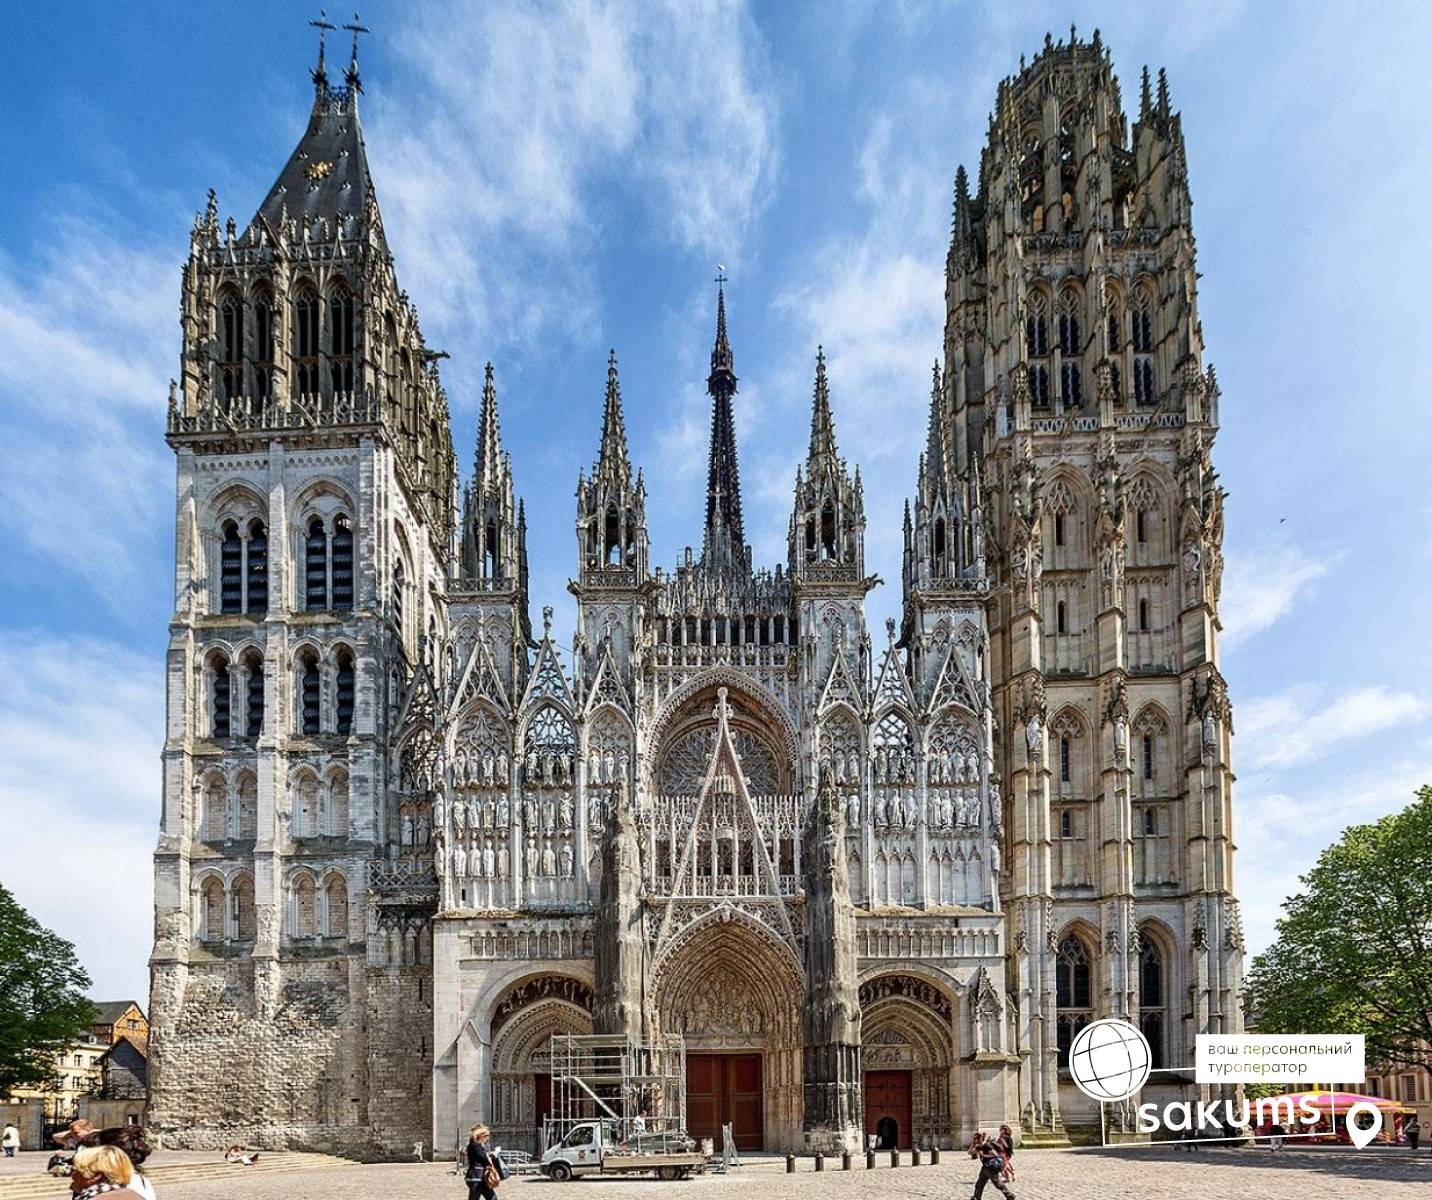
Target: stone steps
[{"x": 41, "y": 1186}]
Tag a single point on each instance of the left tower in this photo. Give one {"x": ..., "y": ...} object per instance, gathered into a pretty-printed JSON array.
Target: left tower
[{"x": 291, "y": 974}]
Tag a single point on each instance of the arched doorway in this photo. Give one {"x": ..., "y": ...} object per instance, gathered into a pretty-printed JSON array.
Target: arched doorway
[
  {"x": 733, "y": 992},
  {"x": 523, "y": 1023},
  {"x": 907, "y": 1052}
]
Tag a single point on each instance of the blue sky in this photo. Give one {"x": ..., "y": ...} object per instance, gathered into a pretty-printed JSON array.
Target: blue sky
[{"x": 562, "y": 180}]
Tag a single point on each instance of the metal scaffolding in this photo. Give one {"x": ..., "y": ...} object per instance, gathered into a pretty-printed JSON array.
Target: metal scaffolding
[{"x": 639, "y": 1086}]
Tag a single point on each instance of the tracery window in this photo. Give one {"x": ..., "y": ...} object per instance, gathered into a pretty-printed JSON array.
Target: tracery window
[
  {"x": 231, "y": 344},
  {"x": 341, "y": 339},
  {"x": 1142, "y": 331},
  {"x": 1153, "y": 1001},
  {"x": 1071, "y": 347},
  {"x": 1074, "y": 993},
  {"x": 306, "y": 320},
  {"x": 263, "y": 348}
]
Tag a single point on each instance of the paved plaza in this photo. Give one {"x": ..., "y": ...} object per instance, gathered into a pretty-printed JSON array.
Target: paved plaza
[{"x": 1311, "y": 1174}]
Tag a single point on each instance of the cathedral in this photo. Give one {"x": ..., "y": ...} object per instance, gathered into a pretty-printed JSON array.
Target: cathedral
[{"x": 874, "y": 879}]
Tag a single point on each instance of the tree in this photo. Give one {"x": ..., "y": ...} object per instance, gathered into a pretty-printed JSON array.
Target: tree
[
  {"x": 42, "y": 997},
  {"x": 1354, "y": 947}
]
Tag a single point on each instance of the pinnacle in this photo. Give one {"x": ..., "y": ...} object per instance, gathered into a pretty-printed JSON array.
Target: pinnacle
[
  {"x": 822, "y": 426},
  {"x": 613, "y": 454}
]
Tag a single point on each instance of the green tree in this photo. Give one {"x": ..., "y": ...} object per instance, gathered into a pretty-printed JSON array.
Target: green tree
[
  {"x": 1354, "y": 946},
  {"x": 42, "y": 997}
]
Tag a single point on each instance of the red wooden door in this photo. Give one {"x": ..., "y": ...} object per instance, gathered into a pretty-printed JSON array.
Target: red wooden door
[
  {"x": 887, "y": 1107},
  {"x": 725, "y": 1089},
  {"x": 543, "y": 1106}
]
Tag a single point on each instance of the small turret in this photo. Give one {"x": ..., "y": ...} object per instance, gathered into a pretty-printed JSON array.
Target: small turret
[{"x": 827, "y": 532}]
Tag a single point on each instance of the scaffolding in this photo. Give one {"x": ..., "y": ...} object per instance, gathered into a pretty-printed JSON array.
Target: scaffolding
[{"x": 639, "y": 1087}]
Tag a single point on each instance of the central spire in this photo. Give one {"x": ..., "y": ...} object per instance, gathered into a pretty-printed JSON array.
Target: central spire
[{"x": 725, "y": 535}]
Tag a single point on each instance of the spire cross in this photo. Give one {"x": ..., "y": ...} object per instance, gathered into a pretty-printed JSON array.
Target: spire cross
[
  {"x": 721, "y": 275},
  {"x": 323, "y": 25},
  {"x": 355, "y": 28}
]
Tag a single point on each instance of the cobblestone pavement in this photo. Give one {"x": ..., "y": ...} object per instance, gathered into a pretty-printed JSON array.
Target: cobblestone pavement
[{"x": 1140, "y": 1172}]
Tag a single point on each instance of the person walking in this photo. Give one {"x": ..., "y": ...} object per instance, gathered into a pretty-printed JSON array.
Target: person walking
[
  {"x": 992, "y": 1165},
  {"x": 1412, "y": 1128},
  {"x": 483, "y": 1174},
  {"x": 10, "y": 1139},
  {"x": 1005, "y": 1142},
  {"x": 1276, "y": 1133},
  {"x": 102, "y": 1170}
]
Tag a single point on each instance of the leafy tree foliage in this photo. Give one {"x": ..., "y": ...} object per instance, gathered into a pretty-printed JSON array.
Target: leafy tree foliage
[
  {"x": 1354, "y": 947},
  {"x": 42, "y": 997}
]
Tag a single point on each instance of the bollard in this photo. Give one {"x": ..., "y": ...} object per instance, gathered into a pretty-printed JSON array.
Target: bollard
[
  {"x": 934, "y": 1156},
  {"x": 819, "y": 1161},
  {"x": 845, "y": 1160},
  {"x": 915, "y": 1157},
  {"x": 790, "y": 1164},
  {"x": 895, "y": 1158},
  {"x": 870, "y": 1160}
]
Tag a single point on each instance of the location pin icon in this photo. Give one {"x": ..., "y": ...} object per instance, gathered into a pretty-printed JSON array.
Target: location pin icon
[{"x": 1360, "y": 1136}]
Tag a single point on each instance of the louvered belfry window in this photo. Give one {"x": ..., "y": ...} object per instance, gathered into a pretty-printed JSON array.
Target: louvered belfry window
[{"x": 342, "y": 564}]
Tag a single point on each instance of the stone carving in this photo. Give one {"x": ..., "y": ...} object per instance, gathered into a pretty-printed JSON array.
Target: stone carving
[{"x": 619, "y": 946}]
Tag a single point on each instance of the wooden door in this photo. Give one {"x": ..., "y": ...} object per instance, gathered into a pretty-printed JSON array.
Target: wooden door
[
  {"x": 887, "y": 1108},
  {"x": 725, "y": 1089}
]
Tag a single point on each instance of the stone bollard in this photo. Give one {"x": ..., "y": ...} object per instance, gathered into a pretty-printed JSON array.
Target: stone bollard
[
  {"x": 915, "y": 1157},
  {"x": 870, "y": 1160},
  {"x": 790, "y": 1164},
  {"x": 819, "y": 1161},
  {"x": 895, "y": 1158},
  {"x": 845, "y": 1160},
  {"x": 934, "y": 1156}
]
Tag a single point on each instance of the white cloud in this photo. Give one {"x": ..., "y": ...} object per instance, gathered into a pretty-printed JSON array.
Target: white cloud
[
  {"x": 488, "y": 177},
  {"x": 1303, "y": 724},
  {"x": 81, "y": 720},
  {"x": 1261, "y": 585}
]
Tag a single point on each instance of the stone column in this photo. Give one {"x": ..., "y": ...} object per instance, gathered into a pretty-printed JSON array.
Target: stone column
[
  {"x": 834, "y": 1116},
  {"x": 620, "y": 943}
]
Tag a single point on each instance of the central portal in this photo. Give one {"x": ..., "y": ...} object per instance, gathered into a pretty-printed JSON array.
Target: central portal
[{"x": 725, "y": 1089}]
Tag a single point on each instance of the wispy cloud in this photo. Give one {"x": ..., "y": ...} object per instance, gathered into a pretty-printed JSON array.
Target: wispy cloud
[
  {"x": 1304, "y": 723},
  {"x": 527, "y": 115},
  {"x": 82, "y": 720},
  {"x": 1263, "y": 583}
]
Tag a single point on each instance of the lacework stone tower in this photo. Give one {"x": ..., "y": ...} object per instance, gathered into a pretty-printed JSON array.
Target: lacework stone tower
[
  {"x": 1076, "y": 401},
  {"x": 874, "y": 883}
]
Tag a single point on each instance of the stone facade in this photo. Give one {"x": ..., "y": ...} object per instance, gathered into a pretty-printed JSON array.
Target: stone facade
[{"x": 392, "y": 810}]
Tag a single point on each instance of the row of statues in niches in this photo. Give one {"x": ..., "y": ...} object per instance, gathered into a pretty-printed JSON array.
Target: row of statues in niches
[
  {"x": 487, "y": 857},
  {"x": 536, "y": 811},
  {"x": 892, "y": 765},
  {"x": 541, "y": 768},
  {"x": 897, "y": 809}
]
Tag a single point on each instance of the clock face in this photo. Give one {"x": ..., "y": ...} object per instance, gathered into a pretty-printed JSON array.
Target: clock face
[{"x": 320, "y": 170}]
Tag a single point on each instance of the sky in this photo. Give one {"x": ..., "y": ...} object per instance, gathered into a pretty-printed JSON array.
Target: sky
[{"x": 563, "y": 178}]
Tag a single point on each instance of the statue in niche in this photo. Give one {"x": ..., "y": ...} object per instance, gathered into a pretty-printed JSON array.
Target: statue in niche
[
  {"x": 564, "y": 769},
  {"x": 489, "y": 860},
  {"x": 1210, "y": 734},
  {"x": 994, "y": 862},
  {"x": 564, "y": 860},
  {"x": 609, "y": 767},
  {"x": 880, "y": 809},
  {"x": 487, "y": 768},
  {"x": 502, "y": 863},
  {"x": 594, "y": 766},
  {"x": 504, "y": 812},
  {"x": 1034, "y": 735},
  {"x": 530, "y": 767},
  {"x": 475, "y": 861},
  {"x": 548, "y": 862},
  {"x": 852, "y": 811},
  {"x": 421, "y": 830},
  {"x": 839, "y": 766},
  {"x": 459, "y": 861},
  {"x": 459, "y": 815},
  {"x": 623, "y": 766},
  {"x": 549, "y": 812},
  {"x": 406, "y": 837},
  {"x": 502, "y": 766},
  {"x": 594, "y": 813},
  {"x": 529, "y": 812},
  {"x": 564, "y": 812},
  {"x": 912, "y": 810}
]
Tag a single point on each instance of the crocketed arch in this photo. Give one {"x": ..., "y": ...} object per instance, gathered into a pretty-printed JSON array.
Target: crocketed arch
[
  {"x": 742, "y": 689},
  {"x": 906, "y": 1025}
]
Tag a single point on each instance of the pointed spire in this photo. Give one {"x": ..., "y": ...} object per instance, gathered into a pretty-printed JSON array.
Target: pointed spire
[
  {"x": 613, "y": 456},
  {"x": 351, "y": 76},
  {"x": 1146, "y": 99},
  {"x": 962, "y": 222},
  {"x": 487, "y": 465},
  {"x": 725, "y": 534},
  {"x": 1163, "y": 92},
  {"x": 934, "y": 439},
  {"x": 320, "y": 72},
  {"x": 822, "y": 427}
]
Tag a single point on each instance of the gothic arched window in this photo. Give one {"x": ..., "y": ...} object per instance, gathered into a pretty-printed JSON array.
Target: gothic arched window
[
  {"x": 1153, "y": 999},
  {"x": 315, "y": 567},
  {"x": 263, "y": 347},
  {"x": 335, "y": 908},
  {"x": 231, "y": 348},
  {"x": 309, "y": 712},
  {"x": 231, "y": 570},
  {"x": 827, "y": 529},
  {"x": 336, "y": 810},
  {"x": 210, "y": 921},
  {"x": 1141, "y": 327},
  {"x": 1071, "y": 390},
  {"x": 248, "y": 806},
  {"x": 303, "y": 906},
  {"x": 256, "y": 569},
  {"x": 342, "y": 338},
  {"x": 1074, "y": 993},
  {"x": 220, "y": 698},
  {"x": 254, "y": 695},
  {"x": 343, "y": 700},
  {"x": 241, "y": 908},
  {"x": 341, "y": 569},
  {"x": 306, "y": 320}
]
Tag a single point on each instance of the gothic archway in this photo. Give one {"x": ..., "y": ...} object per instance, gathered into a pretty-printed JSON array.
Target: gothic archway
[
  {"x": 735, "y": 996},
  {"x": 907, "y": 1055},
  {"x": 522, "y": 1025}
]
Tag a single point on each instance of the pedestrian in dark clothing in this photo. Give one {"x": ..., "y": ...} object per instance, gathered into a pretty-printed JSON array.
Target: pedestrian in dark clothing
[
  {"x": 992, "y": 1166},
  {"x": 482, "y": 1171},
  {"x": 1413, "y": 1130}
]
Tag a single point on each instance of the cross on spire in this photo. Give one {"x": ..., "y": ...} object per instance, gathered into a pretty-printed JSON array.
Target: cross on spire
[
  {"x": 323, "y": 25},
  {"x": 355, "y": 27}
]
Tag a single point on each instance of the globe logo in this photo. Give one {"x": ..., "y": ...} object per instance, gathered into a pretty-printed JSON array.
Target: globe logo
[{"x": 1109, "y": 1060}]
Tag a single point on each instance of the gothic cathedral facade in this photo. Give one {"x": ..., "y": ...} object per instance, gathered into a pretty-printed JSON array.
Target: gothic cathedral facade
[{"x": 876, "y": 880}]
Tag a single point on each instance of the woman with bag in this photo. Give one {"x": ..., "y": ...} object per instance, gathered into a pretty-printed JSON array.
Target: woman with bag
[{"x": 483, "y": 1173}]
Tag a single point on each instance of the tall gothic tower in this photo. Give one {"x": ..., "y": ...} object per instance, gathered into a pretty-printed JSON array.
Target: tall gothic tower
[
  {"x": 1076, "y": 402},
  {"x": 314, "y": 526}
]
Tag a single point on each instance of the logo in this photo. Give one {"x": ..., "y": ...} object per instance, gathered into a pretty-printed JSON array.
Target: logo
[{"x": 1109, "y": 1060}]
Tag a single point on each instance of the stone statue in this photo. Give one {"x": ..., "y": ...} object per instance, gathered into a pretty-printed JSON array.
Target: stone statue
[
  {"x": 548, "y": 862},
  {"x": 619, "y": 945},
  {"x": 564, "y": 811},
  {"x": 564, "y": 860},
  {"x": 489, "y": 863},
  {"x": 504, "y": 813}
]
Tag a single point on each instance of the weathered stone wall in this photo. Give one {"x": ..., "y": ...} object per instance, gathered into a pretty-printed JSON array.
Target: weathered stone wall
[{"x": 400, "y": 1058}]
